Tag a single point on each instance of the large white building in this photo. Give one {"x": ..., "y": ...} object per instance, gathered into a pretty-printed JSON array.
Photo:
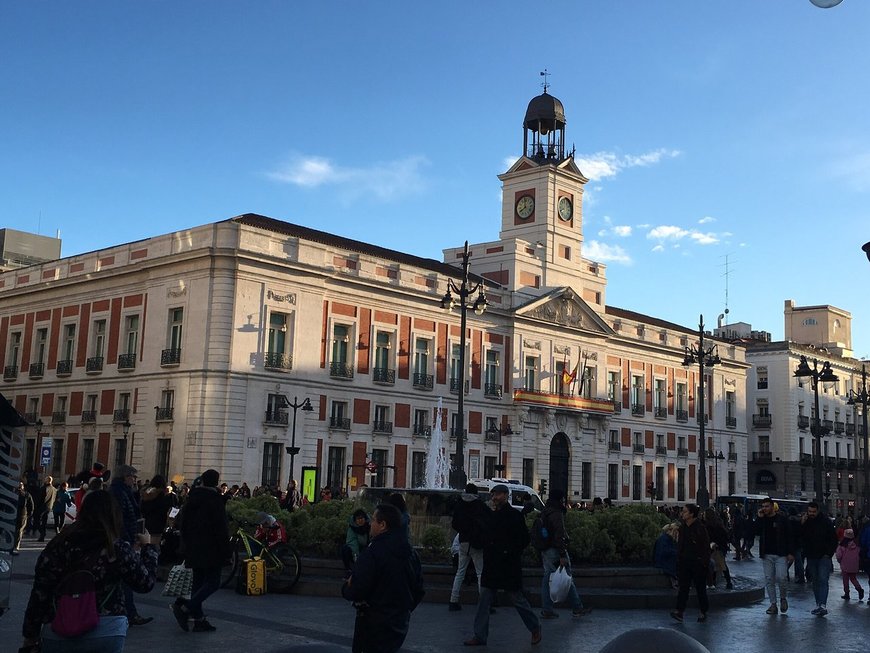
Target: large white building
[{"x": 199, "y": 340}]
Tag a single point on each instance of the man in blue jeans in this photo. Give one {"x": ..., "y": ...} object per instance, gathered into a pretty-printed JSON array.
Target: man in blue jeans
[
  {"x": 820, "y": 543},
  {"x": 776, "y": 549},
  {"x": 553, "y": 519}
]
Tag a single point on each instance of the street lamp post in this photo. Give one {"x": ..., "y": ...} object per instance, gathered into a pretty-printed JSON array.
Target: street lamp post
[
  {"x": 716, "y": 458},
  {"x": 500, "y": 432},
  {"x": 126, "y": 430},
  {"x": 862, "y": 399},
  {"x": 825, "y": 375},
  {"x": 38, "y": 424},
  {"x": 458, "y": 476},
  {"x": 296, "y": 405},
  {"x": 704, "y": 357}
]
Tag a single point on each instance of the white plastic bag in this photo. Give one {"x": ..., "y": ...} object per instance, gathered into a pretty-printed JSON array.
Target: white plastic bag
[{"x": 560, "y": 585}]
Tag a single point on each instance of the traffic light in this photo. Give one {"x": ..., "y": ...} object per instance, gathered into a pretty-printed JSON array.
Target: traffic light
[
  {"x": 650, "y": 489},
  {"x": 543, "y": 486}
]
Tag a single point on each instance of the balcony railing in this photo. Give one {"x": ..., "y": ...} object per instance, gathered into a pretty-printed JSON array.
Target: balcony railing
[
  {"x": 828, "y": 425},
  {"x": 661, "y": 413},
  {"x": 422, "y": 431},
  {"x": 94, "y": 364},
  {"x": 58, "y": 417},
  {"x": 455, "y": 385},
  {"x": 614, "y": 446},
  {"x": 806, "y": 459},
  {"x": 661, "y": 450},
  {"x": 338, "y": 370},
  {"x": 163, "y": 414},
  {"x": 37, "y": 370},
  {"x": 423, "y": 381},
  {"x": 339, "y": 423},
  {"x": 706, "y": 418},
  {"x": 839, "y": 427},
  {"x": 850, "y": 428},
  {"x": 803, "y": 422},
  {"x": 10, "y": 372},
  {"x": 638, "y": 410},
  {"x": 490, "y": 436},
  {"x": 277, "y": 361},
  {"x": 278, "y": 417},
  {"x": 761, "y": 384},
  {"x": 682, "y": 415},
  {"x": 731, "y": 422},
  {"x": 384, "y": 376},
  {"x": 639, "y": 448},
  {"x": 382, "y": 427},
  {"x": 492, "y": 390},
  {"x": 121, "y": 415},
  {"x": 454, "y": 432},
  {"x": 31, "y": 418},
  {"x": 169, "y": 357},
  {"x": 732, "y": 456},
  {"x": 762, "y": 457},
  {"x": 762, "y": 421},
  {"x": 617, "y": 406},
  {"x": 126, "y": 362},
  {"x": 682, "y": 452},
  {"x": 64, "y": 368},
  {"x": 89, "y": 416}
]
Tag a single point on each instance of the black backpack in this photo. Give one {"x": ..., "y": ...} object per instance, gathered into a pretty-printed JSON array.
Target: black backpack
[{"x": 539, "y": 535}]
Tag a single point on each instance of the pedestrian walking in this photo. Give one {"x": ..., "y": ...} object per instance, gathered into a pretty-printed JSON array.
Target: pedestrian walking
[
  {"x": 293, "y": 498},
  {"x": 206, "y": 537},
  {"x": 718, "y": 548},
  {"x": 776, "y": 549},
  {"x": 820, "y": 544},
  {"x": 63, "y": 500},
  {"x": 44, "y": 501},
  {"x": 665, "y": 552},
  {"x": 24, "y": 511},
  {"x": 469, "y": 518},
  {"x": 794, "y": 521},
  {"x": 848, "y": 555},
  {"x": 386, "y": 585},
  {"x": 555, "y": 556},
  {"x": 693, "y": 560},
  {"x": 507, "y": 537},
  {"x": 356, "y": 538},
  {"x": 155, "y": 505}
]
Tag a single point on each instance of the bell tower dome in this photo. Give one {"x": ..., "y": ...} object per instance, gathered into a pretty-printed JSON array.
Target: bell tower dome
[{"x": 544, "y": 129}]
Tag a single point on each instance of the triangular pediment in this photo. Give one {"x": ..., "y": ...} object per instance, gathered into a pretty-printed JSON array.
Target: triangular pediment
[
  {"x": 564, "y": 307},
  {"x": 523, "y": 163}
]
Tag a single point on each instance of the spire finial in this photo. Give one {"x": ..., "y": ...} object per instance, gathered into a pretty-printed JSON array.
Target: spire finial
[{"x": 546, "y": 83}]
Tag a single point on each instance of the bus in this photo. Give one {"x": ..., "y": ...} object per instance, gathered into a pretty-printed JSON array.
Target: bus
[{"x": 750, "y": 503}]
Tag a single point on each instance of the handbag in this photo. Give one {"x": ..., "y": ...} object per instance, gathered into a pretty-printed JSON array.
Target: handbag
[
  {"x": 560, "y": 584},
  {"x": 179, "y": 582}
]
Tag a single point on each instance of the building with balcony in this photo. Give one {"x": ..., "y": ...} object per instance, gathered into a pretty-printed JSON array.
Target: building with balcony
[{"x": 197, "y": 341}]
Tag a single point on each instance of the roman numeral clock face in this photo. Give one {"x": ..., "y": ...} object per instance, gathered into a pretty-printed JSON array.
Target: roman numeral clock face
[{"x": 525, "y": 206}]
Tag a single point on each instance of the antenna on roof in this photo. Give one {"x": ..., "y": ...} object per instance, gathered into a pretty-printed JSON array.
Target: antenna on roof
[
  {"x": 546, "y": 83},
  {"x": 726, "y": 275}
]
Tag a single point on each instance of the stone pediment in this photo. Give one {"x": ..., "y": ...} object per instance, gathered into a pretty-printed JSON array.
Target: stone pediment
[
  {"x": 564, "y": 307},
  {"x": 567, "y": 164}
]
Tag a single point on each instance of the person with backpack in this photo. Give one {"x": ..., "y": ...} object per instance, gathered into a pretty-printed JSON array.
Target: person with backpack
[
  {"x": 77, "y": 583},
  {"x": 550, "y": 538},
  {"x": 469, "y": 516}
]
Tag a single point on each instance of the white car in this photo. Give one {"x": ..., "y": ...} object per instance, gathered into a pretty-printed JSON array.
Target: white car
[{"x": 518, "y": 494}]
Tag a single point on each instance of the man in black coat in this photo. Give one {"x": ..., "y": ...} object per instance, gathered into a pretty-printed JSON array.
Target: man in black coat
[
  {"x": 507, "y": 537},
  {"x": 386, "y": 585},
  {"x": 693, "y": 559},
  {"x": 206, "y": 539},
  {"x": 469, "y": 517},
  {"x": 25, "y": 509},
  {"x": 820, "y": 543},
  {"x": 44, "y": 501}
]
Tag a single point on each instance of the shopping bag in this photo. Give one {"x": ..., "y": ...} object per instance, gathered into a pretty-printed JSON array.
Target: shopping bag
[
  {"x": 560, "y": 584},
  {"x": 179, "y": 582}
]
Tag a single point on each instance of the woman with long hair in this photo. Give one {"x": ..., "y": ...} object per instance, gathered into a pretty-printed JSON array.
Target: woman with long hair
[{"x": 90, "y": 544}]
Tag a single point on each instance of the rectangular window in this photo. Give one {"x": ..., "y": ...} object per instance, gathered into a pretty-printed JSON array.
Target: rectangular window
[
  {"x": 681, "y": 484},
  {"x": 586, "y": 481},
  {"x": 421, "y": 356},
  {"x": 730, "y": 405},
  {"x": 492, "y": 366},
  {"x": 530, "y": 373},
  {"x": 489, "y": 466},
  {"x": 383, "y": 364},
  {"x": 613, "y": 481},
  {"x": 562, "y": 388},
  {"x": 383, "y": 423},
  {"x": 39, "y": 347},
  {"x": 340, "y": 344},
  {"x": 176, "y": 327},
  {"x": 57, "y": 457},
  {"x": 30, "y": 453},
  {"x": 661, "y": 397},
  {"x": 528, "y": 471},
  {"x": 69, "y": 342},
  {"x": 732, "y": 482},
  {"x": 338, "y": 418},
  {"x": 379, "y": 458},
  {"x": 336, "y": 473},
  {"x": 98, "y": 343},
  {"x": 277, "y": 337},
  {"x": 14, "y": 348},
  {"x": 275, "y": 412},
  {"x": 637, "y": 393},
  {"x": 637, "y": 482},
  {"x": 682, "y": 403},
  {"x": 418, "y": 469},
  {"x": 764, "y": 444},
  {"x": 120, "y": 452},
  {"x": 455, "y": 370},
  {"x": 161, "y": 463},
  {"x": 660, "y": 483},
  {"x": 271, "y": 463},
  {"x": 761, "y": 377},
  {"x": 91, "y": 403},
  {"x": 586, "y": 381},
  {"x": 87, "y": 453},
  {"x": 131, "y": 334}
]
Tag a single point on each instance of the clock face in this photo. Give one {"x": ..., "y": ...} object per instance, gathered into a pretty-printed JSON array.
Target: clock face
[
  {"x": 525, "y": 206},
  {"x": 566, "y": 209}
]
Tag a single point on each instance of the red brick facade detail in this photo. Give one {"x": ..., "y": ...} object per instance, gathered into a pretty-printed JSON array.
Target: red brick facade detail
[
  {"x": 401, "y": 463},
  {"x": 361, "y": 411}
]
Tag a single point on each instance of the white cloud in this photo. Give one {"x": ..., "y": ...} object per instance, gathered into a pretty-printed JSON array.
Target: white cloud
[
  {"x": 658, "y": 248},
  {"x": 622, "y": 230},
  {"x": 609, "y": 164},
  {"x": 387, "y": 180},
  {"x": 604, "y": 253},
  {"x": 672, "y": 234},
  {"x": 706, "y": 220}
]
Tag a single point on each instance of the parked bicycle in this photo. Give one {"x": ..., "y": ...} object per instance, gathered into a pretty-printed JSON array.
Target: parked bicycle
[{"x": 283, "y": 565}]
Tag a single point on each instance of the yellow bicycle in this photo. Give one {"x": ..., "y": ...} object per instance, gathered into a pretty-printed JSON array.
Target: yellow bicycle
[{"x": 283, "y": 565}]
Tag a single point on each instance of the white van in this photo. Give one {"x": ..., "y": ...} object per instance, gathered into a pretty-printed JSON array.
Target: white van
[{"x": 518, "y": 494}]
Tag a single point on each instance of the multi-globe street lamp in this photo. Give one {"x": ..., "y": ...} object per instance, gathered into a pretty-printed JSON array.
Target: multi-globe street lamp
[
  {"x": 862, "y": 399},
  {"x": 704, "y": 357},
  {"x": 450, "y": 301},
  {"x": 499, "y": 432},
  {"x": 296, "y": 405},
  {"x": 825, "y": 375}
]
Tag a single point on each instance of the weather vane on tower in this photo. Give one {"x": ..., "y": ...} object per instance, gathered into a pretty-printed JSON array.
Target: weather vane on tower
[{"x": 546, "y": 83}]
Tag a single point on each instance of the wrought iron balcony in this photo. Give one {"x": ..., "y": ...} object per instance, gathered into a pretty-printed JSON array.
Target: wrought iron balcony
[
  {"x": 58, "y": 417},
  {"x": 384, "y": 376},
  {"x": 682, "y": 452},
  {"x": 423, "y": 381},
  {"x": 803, "y": 422},
  {"x": 639, "y": 448},
  {"x": 454, "y": 432},
  {"x": 617, "y": 406},
  {"x": 828, "y": 425},
  {"x": 839, "y": 427},
  {"x": 706, "y": 418},
  {"x": 126, "y": 362},
  {"x": 94, "y": 364},
  {"x": 382, "y": 427},
  {"x": 10, "y": 372},
  {"x": 455, "y": 384},
  {"x": 614, "y": 446},
  {"x": 762, "y": 457},
  {"x": 339, "y": 423},
  {"x": 338, "y": 370},
  {"x": 278, "y": 417},
  {"x": 163, "y": 414},
  {"x": 661, "y": 450},
  {"x": 277, "y": 361},
  {"x": 661, "y": 412},
  {"x": 682, "y": 415},
  {"x": 490, "y": 436},
  {"x": 732, "y": 456},
  {"x": 37, "y": 370},
  {"x": 850, "y": 428},
  {"x": 422, "y": 430},
  {"x": 64, "y": 368},
  {"x": 121, "y": 415},
  {"x": 761, "y": 384},
  {"x": 762, "y": 421},
  {"x": 492, "y": 390},
  {"x": 31, "y": 418},
  {"x": 89, "y": 416},
  {"x": 170, "y": 357},
  {"x": 807, "y": 459},
  {"x": 731, "y": 422},
  {"x": 638, "y": 410}
]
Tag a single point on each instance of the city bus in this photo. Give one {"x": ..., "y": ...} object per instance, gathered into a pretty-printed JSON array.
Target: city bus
[{"x": 750, "y": 503}]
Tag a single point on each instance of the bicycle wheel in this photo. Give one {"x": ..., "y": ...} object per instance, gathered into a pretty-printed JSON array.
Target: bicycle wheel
[
  {"x": 228, "y": 574},
  {"x": 283, "y": 568}
]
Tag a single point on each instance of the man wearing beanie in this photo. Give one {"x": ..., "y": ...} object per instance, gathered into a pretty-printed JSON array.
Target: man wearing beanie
[
  {"x": 469, "y": 517},
  {"x": 553, "y": 519},
  {"x": 205, "y": 535}
]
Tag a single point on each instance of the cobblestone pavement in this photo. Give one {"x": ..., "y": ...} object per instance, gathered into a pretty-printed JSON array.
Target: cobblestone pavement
[{"x": 274, "y": 623}]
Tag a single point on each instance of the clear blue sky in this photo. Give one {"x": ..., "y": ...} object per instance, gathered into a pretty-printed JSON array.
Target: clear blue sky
[{"x": 729, "y": 127}]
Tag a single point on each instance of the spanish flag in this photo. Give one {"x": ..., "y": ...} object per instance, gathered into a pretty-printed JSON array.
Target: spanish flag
[{"x": 568, "y": 377}]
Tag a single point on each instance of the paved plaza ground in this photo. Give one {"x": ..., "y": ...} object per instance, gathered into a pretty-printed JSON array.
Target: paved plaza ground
[{"x": 274, "y": 623}]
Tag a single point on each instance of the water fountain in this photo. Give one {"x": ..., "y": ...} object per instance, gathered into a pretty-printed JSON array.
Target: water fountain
[{"x": 437, "y": 461}]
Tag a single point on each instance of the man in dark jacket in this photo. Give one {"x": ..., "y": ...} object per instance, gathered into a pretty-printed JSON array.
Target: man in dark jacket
[
  {"x": 121, "y": 488},
  {"x": 776, "y": 550},
  {"x": 819, "y": 540},
  {"x": 469, "y": 517},
  {"x": 206, "y": 538},
  {"x": 44, "y": 500},
  {"x": 693, "y": 560},
  {"x": 386, "y": 585},
  {"x": 25, "y": 509},
  {"x": 507, "y": 537},
  {"x": 553, "y": 519}
]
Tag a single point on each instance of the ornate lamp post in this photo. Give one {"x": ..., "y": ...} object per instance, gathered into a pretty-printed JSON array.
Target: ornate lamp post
[
  {"x": 500, "y": 432},
  {"x": 825, "y": 375},
  {"x": 296, "y": 405},
  {"x": 458, "y": 476},
  {"x": 38, "y": 424},
  {"x": 862, "y": 399},
  {"x": 126, "y": 430},
  {"x": 704, "y": 357}
]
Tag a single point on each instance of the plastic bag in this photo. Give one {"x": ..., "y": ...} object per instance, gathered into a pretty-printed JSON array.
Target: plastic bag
[{"x": 560, "y": 584}]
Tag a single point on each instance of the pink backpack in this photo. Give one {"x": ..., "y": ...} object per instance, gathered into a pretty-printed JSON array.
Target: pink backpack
[{"x": 76, "y": 610}]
